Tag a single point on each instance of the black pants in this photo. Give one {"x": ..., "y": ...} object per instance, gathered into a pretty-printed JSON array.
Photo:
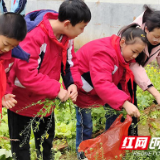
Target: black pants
[
  {"x": 133, "y": 129},
  {"x": 21, "y": 148}
]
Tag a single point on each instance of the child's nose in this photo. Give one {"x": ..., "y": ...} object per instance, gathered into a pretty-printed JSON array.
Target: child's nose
[
  {"x": 135, "y": 55},
  {"x": 6, "y": 49}
]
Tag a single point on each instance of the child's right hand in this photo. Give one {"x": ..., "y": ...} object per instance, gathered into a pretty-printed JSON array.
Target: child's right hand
[
  {"x": 131, "y": 109},
  {"x": 63, "y": 95},
  {"x": 8, "y": 101}
]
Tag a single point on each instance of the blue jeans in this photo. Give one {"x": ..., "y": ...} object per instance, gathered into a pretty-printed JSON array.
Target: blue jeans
[
  {"x": 83, "y": 126},
  {"x": 110, "y": 120}
]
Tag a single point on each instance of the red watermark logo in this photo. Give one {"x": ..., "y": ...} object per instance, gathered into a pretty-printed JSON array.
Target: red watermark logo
[{"x": 136, "y": 143}]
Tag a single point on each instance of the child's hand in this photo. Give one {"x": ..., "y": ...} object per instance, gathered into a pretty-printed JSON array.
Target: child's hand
[
  {"x": 131, "y": 109},
  {"x": 8, "y": 101},
  {"x": 155, "y": 93},
  {"x": 157, "y": 97},
  {"x": 73, "y": 93},
  {"x": 63, "y": 95}
]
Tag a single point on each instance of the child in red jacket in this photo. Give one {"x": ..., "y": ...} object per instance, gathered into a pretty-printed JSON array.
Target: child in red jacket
[
  {"x": 49, "y": 42},
  {"x": 149, "y": 21},
  {"x": 103, "y": 63},
  {"x": 10, "y": 37}
]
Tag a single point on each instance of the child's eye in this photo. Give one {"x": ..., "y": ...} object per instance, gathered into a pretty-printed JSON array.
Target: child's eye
[{"x": 133, "y": 52}]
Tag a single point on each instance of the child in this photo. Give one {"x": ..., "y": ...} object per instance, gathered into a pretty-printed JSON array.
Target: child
[
  {"x": 103, "y": 63},
  {"x": 3, "y": 8},
  {"x": 9, "y": 39},
  {"x": 149, "y": 21},
  {"x": 49, "y": 42},
  {"x": 18, "y": 6}
]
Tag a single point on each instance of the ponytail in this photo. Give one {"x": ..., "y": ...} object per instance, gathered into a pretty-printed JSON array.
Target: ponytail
[
  {"x": 148, "y": 11},
  {"x": 151, "y": 18}
]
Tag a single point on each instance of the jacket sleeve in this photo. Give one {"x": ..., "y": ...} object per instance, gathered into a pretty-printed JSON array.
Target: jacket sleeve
[
  {"x": 140, "y": 76},
  {"x": 101, "y": 68},
  {"x": 72, "y": 75},
  {"x": 28, "y": 74},
  {"x": 19, "y": 53},
  {"x": 21, "y": 6}
]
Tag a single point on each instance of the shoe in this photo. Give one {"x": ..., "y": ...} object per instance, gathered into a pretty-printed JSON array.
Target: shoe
[{"x": 81, "y": 156}]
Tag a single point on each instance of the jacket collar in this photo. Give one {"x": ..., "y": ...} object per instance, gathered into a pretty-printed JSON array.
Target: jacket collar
[
  {"x": 5, "y": 56},
  {"x": 46, "y": 18}
]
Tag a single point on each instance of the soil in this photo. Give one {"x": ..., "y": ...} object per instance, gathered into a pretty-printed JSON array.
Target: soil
[{"x": 143, "y": 130}]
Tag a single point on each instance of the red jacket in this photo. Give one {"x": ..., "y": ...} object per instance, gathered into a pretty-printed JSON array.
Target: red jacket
[
  {"x": 6, "y": 62},
  {"x": 100, "y": 73},
  {"x": 39, "y": 79}
]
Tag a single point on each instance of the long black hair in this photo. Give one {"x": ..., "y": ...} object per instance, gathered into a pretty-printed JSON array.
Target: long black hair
[{"x": 151, "y": 18}]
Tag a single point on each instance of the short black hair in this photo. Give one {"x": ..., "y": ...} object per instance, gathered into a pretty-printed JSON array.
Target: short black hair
[
  {"x": 13, "y": 25},
  {"x": 151, "y": 18},
  {"x": 74, "y": 10}
]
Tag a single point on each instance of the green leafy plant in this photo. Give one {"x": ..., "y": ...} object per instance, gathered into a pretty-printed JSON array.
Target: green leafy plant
[{"x": 65, "y": 119}]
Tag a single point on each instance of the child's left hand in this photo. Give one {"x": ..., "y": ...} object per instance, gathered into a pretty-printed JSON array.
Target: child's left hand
[
  {"x": 8, "y": 101},
  {"x": 158, "y": 99},
  {"x": 155, "y": 93},
  {"x": 73, "y": 93}
]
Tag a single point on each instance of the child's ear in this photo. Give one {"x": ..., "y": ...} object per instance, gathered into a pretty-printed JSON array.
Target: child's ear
[
  {"x": 122, "y": 42},
  {"x": 66, "y": 23},
  {"x": 146, "y": 29}
]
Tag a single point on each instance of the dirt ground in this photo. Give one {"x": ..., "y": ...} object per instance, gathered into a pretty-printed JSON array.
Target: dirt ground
[
  {"x": 143, "y": 130},
  {"x": 71, "y": 156}
]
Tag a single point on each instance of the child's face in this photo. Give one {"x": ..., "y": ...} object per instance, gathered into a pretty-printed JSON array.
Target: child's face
[
  {"x": 7, "y": 44},
  {"x": 131, "y": 51},
  {"x": 73, "y": 31},
  {"x": 153, "y": 36}
]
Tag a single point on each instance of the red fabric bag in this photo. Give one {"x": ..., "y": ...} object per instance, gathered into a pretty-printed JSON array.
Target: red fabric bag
[{"x": 106, "y": 146}]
